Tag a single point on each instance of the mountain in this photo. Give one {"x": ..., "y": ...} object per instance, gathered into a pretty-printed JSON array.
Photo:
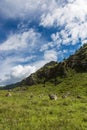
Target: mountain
[{"x": 55, "y": 72}]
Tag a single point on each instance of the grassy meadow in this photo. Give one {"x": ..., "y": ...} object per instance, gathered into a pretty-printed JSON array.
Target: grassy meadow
[{"x": 29, "y": 108}]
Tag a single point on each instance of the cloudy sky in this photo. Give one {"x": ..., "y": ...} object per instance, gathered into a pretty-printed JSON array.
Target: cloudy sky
[{"x": 34, "y": 32}]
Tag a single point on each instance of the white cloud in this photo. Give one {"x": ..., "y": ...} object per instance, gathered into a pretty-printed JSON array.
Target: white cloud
[
  {"x": 21, "y": 71},
  {"x": 55, "y": 36},
  {"x": 72, "y": 18},
  {"x": 50, "y": 55},
  {"x": 25, "y": 8},
  {"x": 20, "y": 41},
  {"x": 16, "y": 74},
  {"x": 69, "y": 13},
  {"x": 46, "y": 46}
]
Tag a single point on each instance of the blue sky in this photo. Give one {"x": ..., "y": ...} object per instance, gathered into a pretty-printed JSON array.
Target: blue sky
[{"x": 34, "y": 32}]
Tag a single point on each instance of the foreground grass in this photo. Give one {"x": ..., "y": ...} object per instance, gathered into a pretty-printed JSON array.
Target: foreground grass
[{"x": 31, "y": 109}]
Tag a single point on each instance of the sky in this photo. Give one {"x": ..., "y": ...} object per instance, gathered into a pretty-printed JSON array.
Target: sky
[{"x": 35, "y": 32}]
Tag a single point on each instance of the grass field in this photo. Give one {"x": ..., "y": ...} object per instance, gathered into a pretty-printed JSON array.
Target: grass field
[{"x": 31, "y": 108}]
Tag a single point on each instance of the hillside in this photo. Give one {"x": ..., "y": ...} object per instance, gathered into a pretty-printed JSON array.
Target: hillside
[
  {"x": 54, "y": 70},
  {"x": 30, "y": 108}
]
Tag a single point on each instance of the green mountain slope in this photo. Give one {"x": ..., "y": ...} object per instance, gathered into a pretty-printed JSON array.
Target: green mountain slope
[
  {"x": 54, "y": 71},
  {"x": 30, "y": 108}
]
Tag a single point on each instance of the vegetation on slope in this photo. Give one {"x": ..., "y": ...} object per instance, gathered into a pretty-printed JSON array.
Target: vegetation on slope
[
  {"x": 30, "y": 107},
  {"x": 54, "y": 70}
]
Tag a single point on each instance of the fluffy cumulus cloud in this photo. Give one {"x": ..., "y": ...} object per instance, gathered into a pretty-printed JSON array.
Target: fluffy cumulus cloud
[
  {"x": 20, "y": 70},
  {"x": 38, "y": 31},
  {"x": 17, "y": 73}
]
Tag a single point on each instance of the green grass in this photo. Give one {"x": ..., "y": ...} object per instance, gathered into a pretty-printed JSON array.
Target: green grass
[{"x": 31, "y": 109}]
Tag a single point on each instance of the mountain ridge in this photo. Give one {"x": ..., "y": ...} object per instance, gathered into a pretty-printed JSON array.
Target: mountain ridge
[{"x": 54, "y": 70}]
